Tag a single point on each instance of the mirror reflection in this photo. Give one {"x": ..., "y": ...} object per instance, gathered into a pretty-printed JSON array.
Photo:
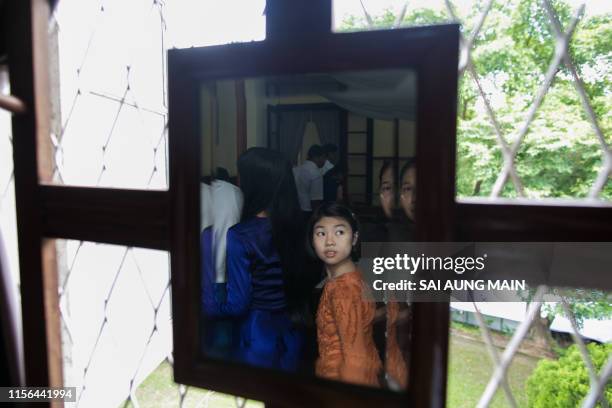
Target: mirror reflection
[{"x": 297, "y": 171}]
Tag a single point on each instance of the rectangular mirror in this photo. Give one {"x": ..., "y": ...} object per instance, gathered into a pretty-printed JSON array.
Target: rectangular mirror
[
  {"x": 322, "y": 147},
  {"x": 284, "y": 157}
]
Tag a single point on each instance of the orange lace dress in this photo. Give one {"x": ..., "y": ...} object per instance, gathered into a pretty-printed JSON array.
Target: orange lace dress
[
  {"x": 395, "y": 363},
  {"x": 344, "y": 332}
]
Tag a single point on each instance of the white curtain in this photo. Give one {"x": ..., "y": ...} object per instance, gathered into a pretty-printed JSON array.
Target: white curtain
[
  {"x": 292, "y": 125},
  {"x": 328, "y": 125}
]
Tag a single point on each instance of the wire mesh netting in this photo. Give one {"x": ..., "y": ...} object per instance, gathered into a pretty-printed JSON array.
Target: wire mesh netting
[
  {"x": 110, "y": 130},
  {"x": 539, "y": 353}
]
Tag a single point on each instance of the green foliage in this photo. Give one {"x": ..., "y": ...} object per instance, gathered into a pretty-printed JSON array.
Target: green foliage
[
  {"x": 560, "y": 156},
  {"x": 565, "y": 382},
  {"x": 388, "y": 18},
  {"x": 584, "y": 304}
]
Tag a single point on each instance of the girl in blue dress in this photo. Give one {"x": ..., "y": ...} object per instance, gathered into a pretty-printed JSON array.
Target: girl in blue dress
[{"x": 265, "y": 290}]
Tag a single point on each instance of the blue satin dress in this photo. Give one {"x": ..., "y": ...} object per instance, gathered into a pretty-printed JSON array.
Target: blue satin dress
[{"x": 254, "y": 297}]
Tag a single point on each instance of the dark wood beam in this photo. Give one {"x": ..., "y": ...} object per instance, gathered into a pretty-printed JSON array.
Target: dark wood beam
[
  {"x": 33, "y": 161},
  {"x": 120, "y": 217},
  {"x": 543, "y": 221},
  {"x": 297, "y": 18}
]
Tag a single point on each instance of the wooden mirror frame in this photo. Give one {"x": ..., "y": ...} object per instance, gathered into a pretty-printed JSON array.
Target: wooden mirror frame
[{"x": 432, "y": 52}]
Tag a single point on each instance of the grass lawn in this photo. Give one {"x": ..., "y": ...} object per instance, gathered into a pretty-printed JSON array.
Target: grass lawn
[
  {"x": 470, "y": 369},
  {"x": 160, "y": 391}
]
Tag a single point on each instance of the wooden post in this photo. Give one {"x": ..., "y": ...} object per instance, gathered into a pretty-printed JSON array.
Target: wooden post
[
  {"x": 289, "y": 20},
  {"x": 33, "y": 162}
]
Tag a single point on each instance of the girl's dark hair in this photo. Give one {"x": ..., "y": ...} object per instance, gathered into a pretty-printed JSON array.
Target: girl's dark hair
[
  {"x": 388, "y": 164},
  {"x": 267, "y": 183},
  {"x": 222, "y": 174},
  {"x": 332, "y": 209},
  {"x": 407, "y": 166}
]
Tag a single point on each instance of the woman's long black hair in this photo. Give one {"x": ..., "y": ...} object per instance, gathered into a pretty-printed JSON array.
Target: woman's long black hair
[{"x": 267, "y": 182}]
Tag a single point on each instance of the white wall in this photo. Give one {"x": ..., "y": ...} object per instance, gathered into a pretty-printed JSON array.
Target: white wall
[
  {"x": 223, "y": 153},
  {"x": 225, "y": 149},
  {"x": 257, "y": 113}
]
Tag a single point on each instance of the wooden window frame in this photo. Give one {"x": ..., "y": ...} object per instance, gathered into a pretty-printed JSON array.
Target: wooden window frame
[
  {"x": 396, "y": 159},
  {"x": 164, "y": 219},
  {"x": 367, "y": 177},
  {"x": 152, "y": 219}
]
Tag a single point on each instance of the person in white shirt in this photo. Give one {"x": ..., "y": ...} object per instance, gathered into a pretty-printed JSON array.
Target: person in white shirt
[
  {"x": 309, "y": 181},
  {"x": 221, "y": 206},
  {"x": 331, "y": 157},
  {"x": 227, "y": 207}
]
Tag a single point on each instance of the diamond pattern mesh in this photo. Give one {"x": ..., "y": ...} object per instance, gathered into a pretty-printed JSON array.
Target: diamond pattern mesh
[{"x": 112, "y": 132}]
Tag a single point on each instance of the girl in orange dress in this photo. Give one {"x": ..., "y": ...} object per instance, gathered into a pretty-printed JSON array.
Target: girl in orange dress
[{"x": 344, "y": 319}]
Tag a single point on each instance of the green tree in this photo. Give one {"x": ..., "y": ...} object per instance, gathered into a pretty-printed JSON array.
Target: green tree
[{"x": 560, "y": 156}]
